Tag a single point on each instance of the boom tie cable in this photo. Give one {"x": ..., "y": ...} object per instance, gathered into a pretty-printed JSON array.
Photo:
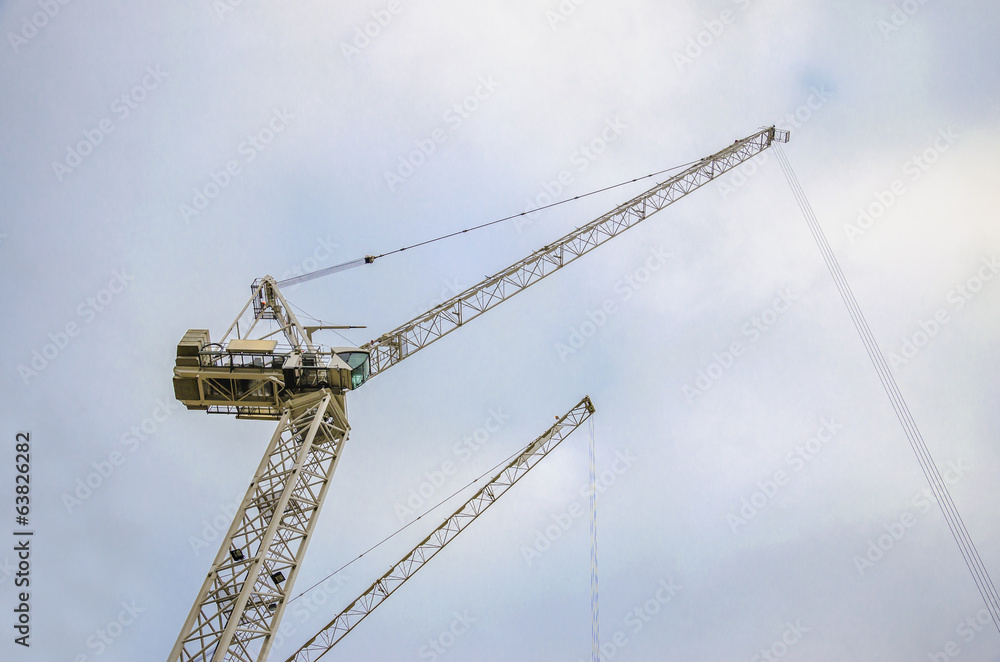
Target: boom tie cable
[
  {"x": 955, "y": 522},
  {"x": 368, "y": 259},
  {"x": 595, "y": 625}
]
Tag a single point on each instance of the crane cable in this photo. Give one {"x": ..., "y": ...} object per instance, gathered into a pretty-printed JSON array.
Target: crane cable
[
  {"x": 954, "y": 520},
  {"x": 595, "y": 624},
  {"x": 368, "y": 259}
]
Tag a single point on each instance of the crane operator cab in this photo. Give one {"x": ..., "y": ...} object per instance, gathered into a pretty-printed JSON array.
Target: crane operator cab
[
  {"x": 343, "y": 368},
  {"x": 253, "y": 378}
]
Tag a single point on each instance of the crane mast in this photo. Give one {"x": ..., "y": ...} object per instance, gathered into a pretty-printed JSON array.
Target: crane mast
[
  {"x": 242, "y": 599},
  {"x": 302, "y": 386},
  {"x": 397, "y": 575}
]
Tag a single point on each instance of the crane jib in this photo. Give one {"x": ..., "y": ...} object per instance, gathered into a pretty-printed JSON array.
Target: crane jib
[{"x": 393, "y": 347}]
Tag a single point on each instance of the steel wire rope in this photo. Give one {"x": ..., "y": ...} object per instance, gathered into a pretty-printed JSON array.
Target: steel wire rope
[
  {"x": 595, "y": 612},
  {"x": 932, "y": 474},
  {"x": 322, "y": 323},
  {"x": 950, "y": 511},
  {"x": 368, "y": 259},
  {"x": 537, "y": 209}
]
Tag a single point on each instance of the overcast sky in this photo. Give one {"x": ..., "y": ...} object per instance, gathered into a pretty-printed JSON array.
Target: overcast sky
[{"x": 159, "y": 157}]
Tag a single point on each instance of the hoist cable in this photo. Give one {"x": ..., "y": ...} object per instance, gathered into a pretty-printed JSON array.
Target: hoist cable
[
  {"x": 927, "y": 465},
  {"x": 595, "y": 627}
]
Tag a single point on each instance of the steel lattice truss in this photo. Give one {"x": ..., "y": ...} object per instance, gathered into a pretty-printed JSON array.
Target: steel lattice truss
[
  {"x": 387, "y": 584},
  {"x": 416, "y": 334},
  {"x": 241, "y": 602}
]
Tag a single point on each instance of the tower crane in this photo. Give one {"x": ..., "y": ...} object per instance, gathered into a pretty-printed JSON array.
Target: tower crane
[{"x": 302, "y": 386}]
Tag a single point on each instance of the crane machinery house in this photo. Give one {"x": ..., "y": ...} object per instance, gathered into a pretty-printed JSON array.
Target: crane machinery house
[{"x": 253, "y": 377}]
